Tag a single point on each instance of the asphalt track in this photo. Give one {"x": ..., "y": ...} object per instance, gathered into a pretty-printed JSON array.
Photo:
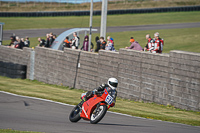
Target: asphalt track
[
  {"x": 42, "y": 32},
  {"x": 27, "y": 114}
]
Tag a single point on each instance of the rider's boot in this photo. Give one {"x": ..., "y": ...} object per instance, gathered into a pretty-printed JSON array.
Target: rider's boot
[{"x": 87, "y": 96}]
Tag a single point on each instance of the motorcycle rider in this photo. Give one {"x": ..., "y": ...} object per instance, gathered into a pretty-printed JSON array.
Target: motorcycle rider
[{"x": 111, "y": 85}]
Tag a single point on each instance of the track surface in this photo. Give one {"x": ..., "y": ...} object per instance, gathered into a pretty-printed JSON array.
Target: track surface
[
  {"x": 25, "y": 114},
  {"x": 42, "y": 32}
]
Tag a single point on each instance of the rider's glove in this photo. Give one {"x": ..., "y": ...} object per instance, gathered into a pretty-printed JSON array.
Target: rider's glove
[{"x": 101, "y": 87}]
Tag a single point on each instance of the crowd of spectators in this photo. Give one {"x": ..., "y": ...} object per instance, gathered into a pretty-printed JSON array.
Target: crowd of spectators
[
  {"x": 154, "y": 45},
  {"x": 18, "y": 43},
  {"x": 101, "y": 44},
  {"x": 50, "y": 37}
]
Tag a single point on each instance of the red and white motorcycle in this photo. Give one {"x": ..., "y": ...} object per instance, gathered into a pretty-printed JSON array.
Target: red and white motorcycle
[{"x": 95, "y": 108}]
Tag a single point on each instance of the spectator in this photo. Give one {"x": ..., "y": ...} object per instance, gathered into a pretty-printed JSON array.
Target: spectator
[
  {"x": 51, "y": 39},
  {"x": 41, "y": 42},
  {"x": 108, "y": 40},
  {"x": 85, "y": 46},
  {"x": 12, "y": 40},
  {"x": 22, "y": 42},
  {"x": 98, "y": 43},
  {"x": 161, "y": 41},
  {"x": 134, "y": 45},
  {"x": 17, "y": 40},
  {"x": 158, "y": 45},
  {"x": 47, "y": 40},
  {"x": 54, "y": 38},
  {"x": 67, "y": 44},
  {"x": 27, "y": 42},
  {"x": 76, "y": 40},
  {"x": 110, "y": 45},
  {"x": 149, "y": 45},
  {"x": 17, "y": 43},
  {"x": 103, "y": 43}
]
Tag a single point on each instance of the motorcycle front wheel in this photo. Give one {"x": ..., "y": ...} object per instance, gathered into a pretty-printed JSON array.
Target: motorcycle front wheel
[
  {"x": 98, "y": 114},
  {"x": 75, "y": 114}
]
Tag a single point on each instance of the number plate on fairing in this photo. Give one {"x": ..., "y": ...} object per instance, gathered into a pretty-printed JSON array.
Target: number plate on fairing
[{"x": 109, "y": 99}]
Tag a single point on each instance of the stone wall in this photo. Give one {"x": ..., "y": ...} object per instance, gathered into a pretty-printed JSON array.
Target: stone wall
[
  {"x": 17, "y": 56},
  {"x": 172, "y": 78},
  {"x": 87, "y": 75},
  {"x": 184, "y": 70},
  {"x": 56, "y": 67}
]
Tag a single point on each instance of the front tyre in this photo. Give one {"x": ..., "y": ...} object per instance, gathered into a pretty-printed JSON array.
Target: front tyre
[
  {"x": 98, "y": 114},
  {"x": 75, "y": 114}
]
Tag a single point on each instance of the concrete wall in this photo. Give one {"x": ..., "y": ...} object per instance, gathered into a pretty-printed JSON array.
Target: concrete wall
[{"x": 172, "y": 78}]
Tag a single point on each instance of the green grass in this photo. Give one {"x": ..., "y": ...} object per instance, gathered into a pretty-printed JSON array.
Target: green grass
[
  {"x": 112, "y": 20},
  {"x": 72, "y": 96},
  {"x": 14, "y": 131},
  {"x": 175, "y": 39}
]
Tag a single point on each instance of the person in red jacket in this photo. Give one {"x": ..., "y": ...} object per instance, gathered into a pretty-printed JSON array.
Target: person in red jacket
[
  {"x": 158, "y": 45},
  {"x": 149, "y": 45}
]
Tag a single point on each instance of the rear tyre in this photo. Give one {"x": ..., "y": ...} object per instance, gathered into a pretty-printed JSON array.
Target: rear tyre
[
  {"x": 98, "y": 114},
  {"x": 75, "y": 114}
]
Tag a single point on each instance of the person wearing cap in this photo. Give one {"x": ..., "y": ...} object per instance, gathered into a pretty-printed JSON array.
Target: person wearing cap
[
  {"x": 110, "y": 45},
  {"x": 134, "y": 45}
]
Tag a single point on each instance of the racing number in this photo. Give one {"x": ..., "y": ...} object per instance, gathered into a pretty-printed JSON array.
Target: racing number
[{"x": 109, "y": 99}]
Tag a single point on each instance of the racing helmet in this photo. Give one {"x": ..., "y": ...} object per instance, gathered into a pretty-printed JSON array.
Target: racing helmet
[{"x": 112, "y": 82}]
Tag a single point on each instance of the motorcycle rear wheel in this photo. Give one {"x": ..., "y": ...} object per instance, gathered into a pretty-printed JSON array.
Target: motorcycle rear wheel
[
  {"x": 75, "y": 114},
  {"x": 96, "y": 117}
]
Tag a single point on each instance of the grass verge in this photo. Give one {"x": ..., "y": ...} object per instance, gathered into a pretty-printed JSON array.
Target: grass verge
[
  {"x": 72, "y": 96},
  {"x": 186, "y": 39},
  {"x": 12, "y": 23},
  {"x": 15, "y": 131}
]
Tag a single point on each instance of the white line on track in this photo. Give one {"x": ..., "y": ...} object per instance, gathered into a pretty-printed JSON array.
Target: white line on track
[{"x": 73, "y": 106}]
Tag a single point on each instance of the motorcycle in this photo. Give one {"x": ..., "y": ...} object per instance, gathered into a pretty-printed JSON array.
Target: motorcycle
[{"x": 95, "y": 108}]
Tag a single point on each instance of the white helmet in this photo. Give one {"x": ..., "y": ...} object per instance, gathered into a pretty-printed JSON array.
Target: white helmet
[{"x": 113, "y": 82}]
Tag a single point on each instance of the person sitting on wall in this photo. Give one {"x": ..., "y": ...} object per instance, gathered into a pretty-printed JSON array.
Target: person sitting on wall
[
  {"x": 134, "y": 45},
  {"x": 41, "y": 42}
]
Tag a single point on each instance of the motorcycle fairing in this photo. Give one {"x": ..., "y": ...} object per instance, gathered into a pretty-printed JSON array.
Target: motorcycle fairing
[{"x": 90, "y": 105}]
